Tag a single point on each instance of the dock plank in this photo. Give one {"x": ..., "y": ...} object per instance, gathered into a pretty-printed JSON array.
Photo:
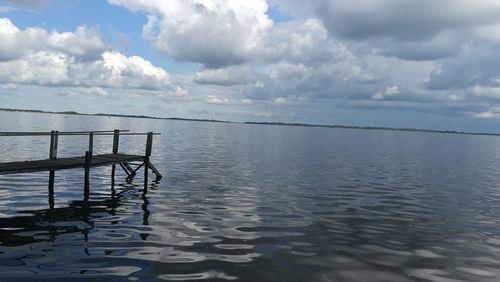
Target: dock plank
[{"x": 66, "y": 163}]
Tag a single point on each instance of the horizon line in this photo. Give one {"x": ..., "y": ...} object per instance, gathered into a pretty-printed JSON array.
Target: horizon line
[{"x": 277, "y": 123}]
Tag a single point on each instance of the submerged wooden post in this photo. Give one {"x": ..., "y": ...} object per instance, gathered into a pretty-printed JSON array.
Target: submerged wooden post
[
  {"x": 52, "y": 155},
  {"x": 51, "y": 189},
  {"x": 116, "y": 140},
  {"x": 113, "y": 181},
  {"x": 88, "y": 159}
]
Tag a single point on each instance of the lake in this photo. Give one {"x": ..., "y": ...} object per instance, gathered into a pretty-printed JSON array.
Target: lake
[{"x": 254, "y": 203}]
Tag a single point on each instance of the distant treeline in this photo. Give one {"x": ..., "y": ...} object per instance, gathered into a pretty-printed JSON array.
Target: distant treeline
[
  {"x": 259, "y": 123},
  {"x": 105, "y": 115},
  {"x": 371, "y": 128}
]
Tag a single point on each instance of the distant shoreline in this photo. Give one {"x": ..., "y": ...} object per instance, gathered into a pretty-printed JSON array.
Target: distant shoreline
[{"x": 257, "y": 123}]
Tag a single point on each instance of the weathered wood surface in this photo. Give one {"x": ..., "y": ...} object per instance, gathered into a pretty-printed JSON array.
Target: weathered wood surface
[{"x": 66, "y": 163}]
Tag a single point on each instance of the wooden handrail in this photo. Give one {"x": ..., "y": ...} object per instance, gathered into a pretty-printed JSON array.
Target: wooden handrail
[{"x": 76, "y": 133}]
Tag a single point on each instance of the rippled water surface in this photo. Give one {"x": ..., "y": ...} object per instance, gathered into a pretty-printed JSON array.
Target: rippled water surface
[{"x": 254, "y": 203}]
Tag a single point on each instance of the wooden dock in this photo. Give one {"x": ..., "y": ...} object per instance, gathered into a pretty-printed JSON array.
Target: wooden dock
[
  {"x": 128, "y": 162},
  {"x": 67, "y": 163}
]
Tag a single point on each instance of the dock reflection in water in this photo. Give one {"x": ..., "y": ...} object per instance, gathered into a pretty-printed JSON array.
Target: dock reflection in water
[{"x": 54, "y": 242}]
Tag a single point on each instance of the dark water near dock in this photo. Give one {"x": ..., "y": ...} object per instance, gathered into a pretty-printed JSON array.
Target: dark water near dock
[{"x": 254, "y": 203}]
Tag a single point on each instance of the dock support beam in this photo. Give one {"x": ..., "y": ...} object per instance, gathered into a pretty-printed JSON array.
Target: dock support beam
[
  {"x": 54, "y": 139},
  {"x": 91, "y": 143},
  {"x": 88, "y": 159},
  {"x": 116, "y": 140},
  {"x": 149, "y": 145},
  {"x": 51, "y": 189},
  {"x": 147, "y": 161},
  {"x": 113, "y": 181}
]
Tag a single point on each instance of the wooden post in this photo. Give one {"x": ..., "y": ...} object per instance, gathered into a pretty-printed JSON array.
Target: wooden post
[
  {"x": 52, "y": 140},
  {"x": 113, "y": 168},
  {"x": 91, "y": 143},
  {"x": 86, "y": 192},
  {"x": 116, "y": 137},
  {"x": 52, "y": 156},
  {"x": 51, "y": 189},
  {"x": 149, "y": 145},
  {"x": 116, "y": 140},
  {"x": 56, "y": 142}
]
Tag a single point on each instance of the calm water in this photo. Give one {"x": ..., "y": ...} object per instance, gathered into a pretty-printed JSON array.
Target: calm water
[{"x": 255, "y": 203}]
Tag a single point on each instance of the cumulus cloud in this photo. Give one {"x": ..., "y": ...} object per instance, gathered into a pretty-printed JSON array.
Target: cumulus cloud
[
  {"x": 387, "y": 92},
  {"x": 221, "y": 33},
  {"x": 297, "y": 41},
  {"x": 429, "y": 56},
  {"x": 280, "y": 101},
  {"x": 489, "y": 114},
  {"x": 112, "y": 70},
  {"x": 83, "y": 43},
  {"x": 473, "y": 66},
  {"x": 227, "y": 76},
  {"x": 84, "y": 90},
  {"x": 407, "y": 29},
  {"x": 408, "y": 20},
  {"x": 213, "y": 32},
  {"x": 80, "y": 58},
  {"x": 415, "y": 53}
]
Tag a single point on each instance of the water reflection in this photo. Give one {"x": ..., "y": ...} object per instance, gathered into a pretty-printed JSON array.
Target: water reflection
[
  {"x": 55, "y": 241},
  {"x": 44, "y": 225}
]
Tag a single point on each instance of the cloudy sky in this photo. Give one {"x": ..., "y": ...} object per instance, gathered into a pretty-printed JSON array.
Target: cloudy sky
[{"x": 404, "y": 63}]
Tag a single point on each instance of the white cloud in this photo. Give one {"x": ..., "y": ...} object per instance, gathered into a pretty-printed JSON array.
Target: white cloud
[
  {"x": 83, "y": 43},
  {"x": 302, "y": 41},
  {"x": 233, "y": 75},
  {"x": 133, "y": 72},
  {"x": 221, "y": 33},
  {"x": 85, "y": 91},
  {"x": 488, "y": 115},
  {"x": 336, "y": 50},
  {"x": 387, "y": 92},
  {"x": 212, "y": 32},
  {"x": 280, "y": 101},
  {"x": 221, "y": 100},
  {"x": 429, "y": 56},
  {"x": 212, "y": 99},
  {"x": 79, "y": 58}
]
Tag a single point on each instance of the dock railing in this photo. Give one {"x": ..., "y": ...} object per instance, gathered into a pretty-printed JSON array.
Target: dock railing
[{"x": 87, "y": 159}]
